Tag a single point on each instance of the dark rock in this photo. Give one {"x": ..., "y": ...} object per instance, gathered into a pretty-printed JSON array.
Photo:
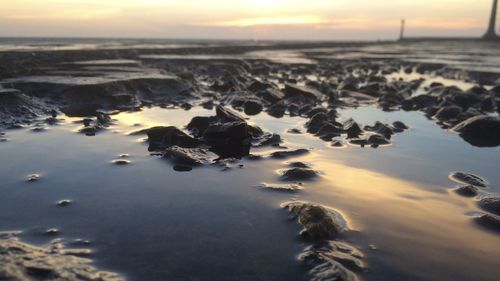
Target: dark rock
[
  {"x": 481, "y": 131},
  {"x": 51, "y": 120},
  {"x": 53, "y": 113},
  {"x": 254, "y": 157},
  {"x": 378, "y": 140},
  {"x": 253, "y": 107},
  {"x": 277, "y": 110},
  {"x": 122, "y": 99},
  {"x": 489, "y": 221},
  {"x": 407, "y": 105},
  {"x": 269, "y": 140},
  {"x": 295, "y": 91},
  {"x": 431, "y": 111},
  {"x": 381, "y": 129},
  {"x": 315, "y": 111},
  {"x": 319, "y": 222},
  {"x": 91, "y": 127},
  {"x": 189, "y": 156},
  {"x": 230, "y": 139},
  {"x": 38, "y": 129},
  {"x": 467, "y": 191},
  {"x": 289, "y": 153},
  {"x": 294, "y": 131},
  {"x": 293, "y": 109},
  {"x": 304, "y": 110},
  {"x": 103, "y": 120},
  {"x": 316, "y": 122},
  {"x": 228, "y": 134},
  {"x": 227, "y": 115},
  {"x": 258, "y": 86},
  {"x": 332, "y": 115},
  {"x": 488, "y": 104},
  {"x": 87, "y": 121},
  {"x": 399, "y": 126},
  {"x": 372, "y": 89},
  {"x": 490, "y": 203},
  {"x": 424, "y": 101},
  {"x": 121, "y": 162},
  {"x": 299, "y": 165},
  {"x": 348, "y": 86},
  {"x": 391, "y": 100},
  {"x": 186, "y": 75},
  {"x": 448, "y": 112},
  {"x": 208, "y": 105},
  {"x": 496, "y": 89},
  {"x": 255, "y": 131},
  {"x": 186, "y": 106},
  {"x": 160, "y": 138},
  {"x": 330, "y": 130},
  {"x": 352, "y": 129},
  {"x": 90, "y": 130},
  {"x": 470, "y": 179},
  {"x": 271, "y": 95},
  {"x": 359, "y": 142},
  {"x": 199, "y": 125},
  {"x": 299, "y": 174}
]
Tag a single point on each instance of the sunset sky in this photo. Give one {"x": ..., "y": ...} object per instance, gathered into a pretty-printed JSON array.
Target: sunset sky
[{"x": 243, "y": 19}]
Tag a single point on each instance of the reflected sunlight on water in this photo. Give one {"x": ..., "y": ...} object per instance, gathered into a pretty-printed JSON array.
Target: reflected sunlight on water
[{"x": 407, "y": 211}]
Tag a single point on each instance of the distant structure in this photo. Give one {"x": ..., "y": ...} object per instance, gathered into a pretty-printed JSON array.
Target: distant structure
[
  {"x": 402, "y": 34},
  {"x": 491, "y": 32},
  {"x": 490, "y": 35}
]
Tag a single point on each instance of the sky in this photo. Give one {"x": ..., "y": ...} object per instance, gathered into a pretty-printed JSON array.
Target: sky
[{"x": 243, "y": 19}]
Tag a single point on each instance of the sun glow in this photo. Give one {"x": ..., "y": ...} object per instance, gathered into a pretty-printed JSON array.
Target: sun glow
[
  {"x": 228, "y": 18},
  {"x": 245, "y": 22}
]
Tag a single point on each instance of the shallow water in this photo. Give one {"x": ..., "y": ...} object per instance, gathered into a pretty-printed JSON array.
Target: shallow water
[{"x": 149, "y": 222}]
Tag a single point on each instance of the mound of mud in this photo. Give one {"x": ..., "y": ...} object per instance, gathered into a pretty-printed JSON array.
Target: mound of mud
[
  {"x": 23, "y": 262},
  {"x": 17, "y": 108}
]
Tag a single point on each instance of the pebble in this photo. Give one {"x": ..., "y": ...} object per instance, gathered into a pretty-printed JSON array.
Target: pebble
[
  {"x": 466, "y": 178},
  {"x": 295, "y": 174},
  {"x": 64, "y": 202},
  {"x": 121, "y": 162},
  {"x": 33, "y": 177},
  {"x": 52, "y": 231}
]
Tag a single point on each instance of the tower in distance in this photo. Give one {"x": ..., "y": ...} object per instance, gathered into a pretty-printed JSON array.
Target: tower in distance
[{"x": 491, "y": 32}]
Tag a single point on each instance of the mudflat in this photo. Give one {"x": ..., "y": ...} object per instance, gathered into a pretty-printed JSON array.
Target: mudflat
[{"x": 219, "y": 160}]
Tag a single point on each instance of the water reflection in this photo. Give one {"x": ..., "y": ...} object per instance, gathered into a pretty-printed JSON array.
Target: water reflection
[{"x": 151, "y": 222}]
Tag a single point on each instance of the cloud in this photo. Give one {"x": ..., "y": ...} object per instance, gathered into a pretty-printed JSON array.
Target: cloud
[
  {"x": 293, "y": 19},
  {"x": 72, "y": 14}
]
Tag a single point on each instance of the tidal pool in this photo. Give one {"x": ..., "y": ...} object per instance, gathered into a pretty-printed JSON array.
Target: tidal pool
[
  {"x": 148, "y": 222},
  {"x": 132, "y": 212}
]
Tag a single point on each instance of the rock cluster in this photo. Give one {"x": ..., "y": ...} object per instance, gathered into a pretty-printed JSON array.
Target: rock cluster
[
  {"x": 225, "y": 135},
  {"x": 475, "y": 187}
]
